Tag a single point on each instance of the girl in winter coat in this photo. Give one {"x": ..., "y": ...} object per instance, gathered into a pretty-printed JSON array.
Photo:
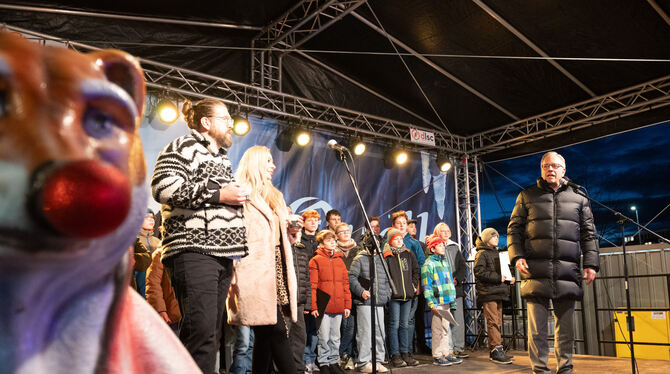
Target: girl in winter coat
[
  {"x": 491, "y": 291},
  {"x": 405, "y": 273}
]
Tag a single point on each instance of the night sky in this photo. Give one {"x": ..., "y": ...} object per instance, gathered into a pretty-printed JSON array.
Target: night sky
[{"x": 623, "y": 170}]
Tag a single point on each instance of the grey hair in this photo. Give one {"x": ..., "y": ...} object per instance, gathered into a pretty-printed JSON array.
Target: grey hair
[{"x": 552, "y": 153}]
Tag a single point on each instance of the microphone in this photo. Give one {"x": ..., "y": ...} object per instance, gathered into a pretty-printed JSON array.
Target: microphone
[
  {"x": 332, "y": 144},
  {"x": 567, "y": 182}
]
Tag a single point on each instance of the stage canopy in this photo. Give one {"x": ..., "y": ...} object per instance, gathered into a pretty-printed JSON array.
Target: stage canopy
[{"x": 495, "y": 78}]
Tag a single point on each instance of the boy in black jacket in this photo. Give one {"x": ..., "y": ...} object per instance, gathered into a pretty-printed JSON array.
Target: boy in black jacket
[{"x": 491, "y": 291}]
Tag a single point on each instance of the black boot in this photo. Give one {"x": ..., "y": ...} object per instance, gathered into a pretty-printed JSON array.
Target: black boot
[{"x": 498, "y": 356}]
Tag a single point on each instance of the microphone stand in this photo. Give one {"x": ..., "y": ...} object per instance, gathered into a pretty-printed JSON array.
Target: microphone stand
[
  {"x": 373, "y": 269},
  {"x": 621, "y": 220}
]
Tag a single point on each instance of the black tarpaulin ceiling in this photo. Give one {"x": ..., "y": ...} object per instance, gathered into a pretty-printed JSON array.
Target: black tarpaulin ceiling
[{"x": 481, "y": 67}]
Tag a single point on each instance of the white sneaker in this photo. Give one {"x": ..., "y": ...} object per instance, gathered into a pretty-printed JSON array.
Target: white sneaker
[
  {"x": 350, "y": 364},
  {"x": 367, "y": 368},
  {"x": 381, "y": 368},
  {"x": 311, "y": 367}
]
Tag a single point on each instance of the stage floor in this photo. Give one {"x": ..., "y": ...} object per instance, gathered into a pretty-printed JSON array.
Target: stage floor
[{"x": 479, "y": 362}]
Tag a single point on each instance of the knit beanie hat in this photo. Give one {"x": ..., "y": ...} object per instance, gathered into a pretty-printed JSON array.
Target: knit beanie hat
[
  {"x": 392, "y": 233},
  {"x": 433, "y": 241},
  {"x": 487, "y": 234}
]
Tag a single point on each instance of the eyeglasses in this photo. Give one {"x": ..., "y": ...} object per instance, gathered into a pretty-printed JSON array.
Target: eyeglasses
[
  {"x": 227, "y": 119},
  {"x": 552, "y": 166}
]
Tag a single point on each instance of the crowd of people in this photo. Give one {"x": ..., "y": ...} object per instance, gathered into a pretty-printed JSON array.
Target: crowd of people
[{"x": 302, "y": 300}]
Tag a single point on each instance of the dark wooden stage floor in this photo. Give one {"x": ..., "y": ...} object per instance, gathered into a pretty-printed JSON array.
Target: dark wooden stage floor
[{"x": 479, "y": 362}]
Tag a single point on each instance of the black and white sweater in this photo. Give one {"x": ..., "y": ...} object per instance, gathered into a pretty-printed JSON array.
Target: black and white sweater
[{"x": 187, "y": 177}]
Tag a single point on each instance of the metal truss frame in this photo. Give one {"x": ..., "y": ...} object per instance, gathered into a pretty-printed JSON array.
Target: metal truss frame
[
  {"x": 265, "y": 102},
  {"x": 623, "y": 103},
  {"x": 468, "y": 226},
  {"x": 292, "y": 29}
]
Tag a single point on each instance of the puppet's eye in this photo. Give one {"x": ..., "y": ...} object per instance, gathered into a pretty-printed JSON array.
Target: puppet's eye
[{"x": 97, "y": 123}]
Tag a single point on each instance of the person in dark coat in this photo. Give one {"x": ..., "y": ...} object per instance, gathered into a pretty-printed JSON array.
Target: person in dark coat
[
  {"x": 491, "y": 291},
  {"x": 297, "y": 331},
  {"x": 551, "y": 229},
  {"x": 308, "y": 239}
]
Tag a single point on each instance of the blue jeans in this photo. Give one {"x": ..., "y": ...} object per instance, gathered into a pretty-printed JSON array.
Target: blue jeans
[
  {"x": 141, "y": 280},
  {"x": 310, "y": 345},
  {"x": 411, "y": 322},
  {"x": 399, "y": 332},
  {"x": 348, "y": 330},
  {"x": 242, "y": 350}
]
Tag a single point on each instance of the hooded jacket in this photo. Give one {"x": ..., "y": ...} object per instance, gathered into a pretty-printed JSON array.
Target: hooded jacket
[
  {"x": 552, "y": 230},
  {"x": 488, "y": 275},
  {"x": 404, "y": 270},
  {"x": 328, "y": 273},
  {"x": 438, "y": 284}
]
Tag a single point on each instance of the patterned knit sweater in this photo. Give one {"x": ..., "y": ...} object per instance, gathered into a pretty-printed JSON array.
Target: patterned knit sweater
[{"x": 187, "y": 177}]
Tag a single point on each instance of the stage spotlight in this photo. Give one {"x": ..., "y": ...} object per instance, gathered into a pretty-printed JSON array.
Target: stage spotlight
[
  {"x": 358, "y": 147},
  {"x": 395, "y": 156},
  {"x": 302, "y": 138},
  {"x": 284, "y": 140},
  {"x": 443, "y": 163},
  {"x": 167, "y": 111},
  {"x": 400, "y": 157},
  {"x": 241, "y": 125}
]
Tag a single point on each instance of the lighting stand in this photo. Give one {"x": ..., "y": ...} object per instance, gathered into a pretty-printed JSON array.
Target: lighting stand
[
  {"x": 373, "y": 269},
  {"x": 621, "y": 220}
]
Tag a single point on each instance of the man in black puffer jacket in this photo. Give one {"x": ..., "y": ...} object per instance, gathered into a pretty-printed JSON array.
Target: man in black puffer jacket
[{"x": 550, "y": 230}]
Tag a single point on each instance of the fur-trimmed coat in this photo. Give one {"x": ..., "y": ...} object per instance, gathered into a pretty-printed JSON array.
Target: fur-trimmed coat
[{"x": 252, "y": 298}]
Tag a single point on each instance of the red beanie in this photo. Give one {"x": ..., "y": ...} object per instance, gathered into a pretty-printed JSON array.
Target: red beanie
[{"x": 433, "y": 240}]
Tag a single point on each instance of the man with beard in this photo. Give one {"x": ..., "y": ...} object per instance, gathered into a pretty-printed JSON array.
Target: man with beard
[
  {"x": 551, "y": 229},
  {"x": 203, "y": 227}
]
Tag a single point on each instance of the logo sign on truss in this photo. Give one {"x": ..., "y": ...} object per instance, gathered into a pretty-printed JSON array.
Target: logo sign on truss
[{"x": 421, "y": 137}]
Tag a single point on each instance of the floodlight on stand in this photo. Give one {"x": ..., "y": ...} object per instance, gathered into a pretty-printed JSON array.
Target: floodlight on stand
[
  {"x": 302, "y": 137},
  {"x": 443, "y": 163},
  {"x": 241, "y": 125},
  {"x": 167, "y": 111}
]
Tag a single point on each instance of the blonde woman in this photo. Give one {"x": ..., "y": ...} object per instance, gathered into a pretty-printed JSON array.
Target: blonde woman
[{"x": 263, "y": 293}]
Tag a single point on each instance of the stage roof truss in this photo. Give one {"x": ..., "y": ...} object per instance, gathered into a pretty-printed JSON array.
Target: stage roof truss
[
  {"x": 288, "y": 108},
  {"x": 618, "y": 104},
  {"x": 288, "y": 32}
]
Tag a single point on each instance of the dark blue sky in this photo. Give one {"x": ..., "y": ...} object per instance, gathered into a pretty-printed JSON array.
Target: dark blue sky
[{"x": 628, "y": 169}]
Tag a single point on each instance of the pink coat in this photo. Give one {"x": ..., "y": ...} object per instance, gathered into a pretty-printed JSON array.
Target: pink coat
[{"x": 252, "y": 298}]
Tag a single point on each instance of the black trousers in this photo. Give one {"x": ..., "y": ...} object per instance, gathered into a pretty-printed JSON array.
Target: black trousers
[
  {"x": 298, "y": 337},
  {"x": 201, "y": 285},
  {"x": 271, "y": 343},
  {"x": 420, "y": 326}
]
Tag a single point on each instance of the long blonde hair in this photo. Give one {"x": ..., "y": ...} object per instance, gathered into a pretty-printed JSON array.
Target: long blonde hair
[{"x": 250, "y": 172}]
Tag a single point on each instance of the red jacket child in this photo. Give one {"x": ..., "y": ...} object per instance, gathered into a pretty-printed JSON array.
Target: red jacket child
[{"x": 328, "y": 273}]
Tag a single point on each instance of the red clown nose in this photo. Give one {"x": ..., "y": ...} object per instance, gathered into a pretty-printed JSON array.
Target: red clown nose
[{"x": 85, "y": 199}]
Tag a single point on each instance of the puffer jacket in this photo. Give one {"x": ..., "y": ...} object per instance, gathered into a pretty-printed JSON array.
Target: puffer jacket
[
  {"x": 328, "y": 273},
  {"x": 488, "y": 275},
  {"x": 552, "y": 230},
  {"x": 301, "y": 257},
  {"x": 360, "y": 269},
  {"x": 309, "y": 241},
  {"x": 405, "y": 272}
]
